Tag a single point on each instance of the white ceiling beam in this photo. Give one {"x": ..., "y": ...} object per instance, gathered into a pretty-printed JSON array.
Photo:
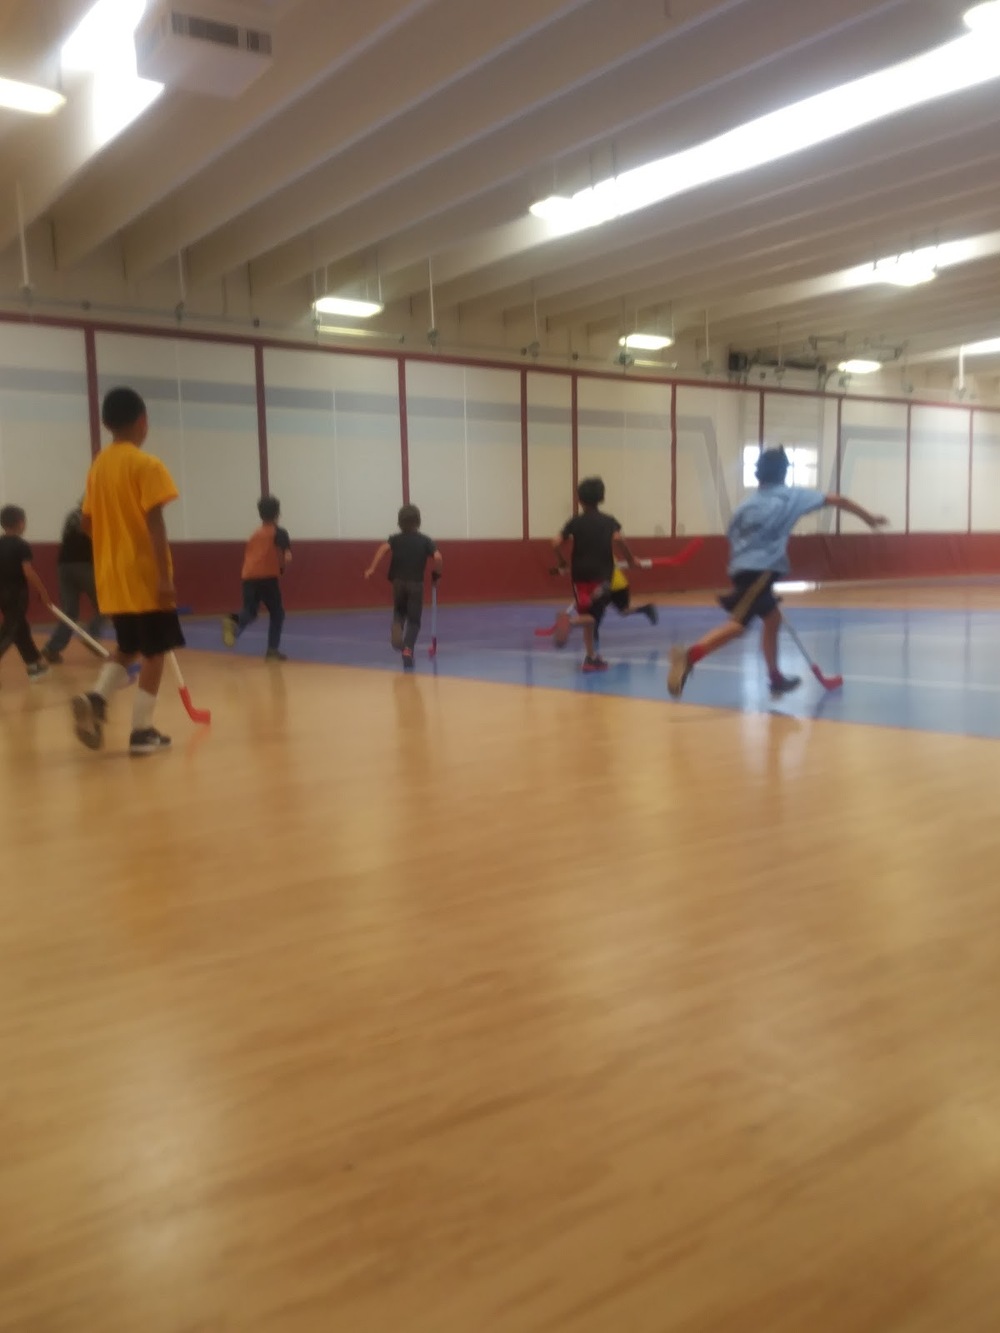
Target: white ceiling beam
[
  {"x": 518, "y": 77},
  {"x": 138, "y": 173},
  {"x": 872, "y": 312},
  {"x": 811, "y": 247},
  {"x": 388, "y": 79},
  {"x": 624, "y": 108},
  {"x": 884, "y": 143},
  {"x": 730, "y": 198}
]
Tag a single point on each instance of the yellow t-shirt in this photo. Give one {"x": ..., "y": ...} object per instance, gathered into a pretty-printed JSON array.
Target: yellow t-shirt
[{"x": 123, "y": 485}]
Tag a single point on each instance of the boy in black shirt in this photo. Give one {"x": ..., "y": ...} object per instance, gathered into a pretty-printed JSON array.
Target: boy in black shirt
[
  {"x": 17, "y": 576},
  {"x": 410, "y": 550},
  {"x": 76, "y": 580},
  {"x": 597, "y": 582}
]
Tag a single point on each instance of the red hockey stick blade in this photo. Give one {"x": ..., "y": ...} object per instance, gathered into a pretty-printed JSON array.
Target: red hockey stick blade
[
  {"x": 201, "y": 716},
  {"x": 681, "y": 558},
  {"x": 828, "y": 682}
]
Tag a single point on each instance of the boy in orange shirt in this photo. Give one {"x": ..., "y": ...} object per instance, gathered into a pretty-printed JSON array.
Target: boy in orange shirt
[
  {"x": 127, "y": 491},
  {"x": 268, "y": 551}
]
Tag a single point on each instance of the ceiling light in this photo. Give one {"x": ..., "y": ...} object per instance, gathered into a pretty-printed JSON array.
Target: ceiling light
[
  {"x": 909, "y": 270},
  {"x": 987, "y": 348},
  {"x": 646, "y": 342},
  {"x": 859, "y": 367},
  {"x": 346, "y": 305},
  {"x": 29, "y": 97},
  {"x": 940, "y": 72},
  {"x": 984, "y": 18}
]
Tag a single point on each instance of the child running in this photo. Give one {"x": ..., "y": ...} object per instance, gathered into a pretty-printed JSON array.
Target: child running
[
  {"x": 127, "y": 491},
  {"x": 758, "y": 556},
  {"x": 597, "y": 584},
  {"x": 18, "y": 578},
  {"x": 410, "y": 550},
  {"x": 268, "y": 553}
]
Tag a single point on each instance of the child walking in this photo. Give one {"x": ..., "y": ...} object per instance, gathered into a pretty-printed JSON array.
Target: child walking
[
  {"x": 410, "y": 551},
  {"x": 127, "y": 491},
  {"x": 597, "y": 543},
  {"x": 18, "y": 578},
  {"x": 758, "y": 557},
  {"x": 268, "y": 553},
  {"x": 76, "y": 580}
]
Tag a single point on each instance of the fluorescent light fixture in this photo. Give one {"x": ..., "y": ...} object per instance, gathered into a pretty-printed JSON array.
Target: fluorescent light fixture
[
  {"x": 990, "y": 347},
  {"x": 909, "y": 270},
  {"x": 29, "y": 97},
  {"x": 984, "y": 18},
  {"x": 646, "y": 342},
  {"x": 952, "y": 68},
  {"x": 346, "y": 305},
  {"x": 859, "y": 366}
]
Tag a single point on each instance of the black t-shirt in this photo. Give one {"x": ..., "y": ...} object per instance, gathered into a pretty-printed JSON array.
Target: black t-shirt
[
  {"x": 410, "y": 553},
  {"x": 593, "y": 558},
  {"x": 14, "y": 551},
  {"x": 75, "y": 548}
]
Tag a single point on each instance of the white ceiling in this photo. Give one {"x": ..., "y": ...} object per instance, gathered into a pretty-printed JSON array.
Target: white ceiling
[{"x": 391, "y": 132}]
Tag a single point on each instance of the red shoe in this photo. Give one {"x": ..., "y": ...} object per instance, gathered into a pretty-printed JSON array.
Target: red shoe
[
  {"x": 563, "y": 628},
  {"x": 594, "y": 664}
]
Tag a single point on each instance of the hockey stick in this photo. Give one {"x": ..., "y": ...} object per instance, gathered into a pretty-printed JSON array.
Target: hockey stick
[
  {"x": 669, "y": 561},
  {"x": 547, "y": 631},
  {"x": 828, "y": 682},
  {"x": 201, "y": 716},
  {"x": 81, "y": 633},
  {"x": 432, "y": 650}
]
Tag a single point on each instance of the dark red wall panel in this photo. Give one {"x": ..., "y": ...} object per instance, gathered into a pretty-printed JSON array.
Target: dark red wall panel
[{"x": 329, "y": 574}]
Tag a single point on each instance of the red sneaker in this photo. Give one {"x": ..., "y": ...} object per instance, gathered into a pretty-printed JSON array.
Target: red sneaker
[{"x": 594, "y": 664}]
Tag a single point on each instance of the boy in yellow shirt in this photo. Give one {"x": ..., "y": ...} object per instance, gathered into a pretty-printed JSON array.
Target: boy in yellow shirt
[{"x": 127, "y": 491}]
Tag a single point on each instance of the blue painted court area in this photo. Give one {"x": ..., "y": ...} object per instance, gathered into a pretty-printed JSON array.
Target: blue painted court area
[{"x": 924, "y": 670}]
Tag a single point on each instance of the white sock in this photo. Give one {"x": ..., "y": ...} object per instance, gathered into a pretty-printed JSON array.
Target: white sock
[
  {"x": 142, "y": 711},
  {"x": 113, "y": 677}
]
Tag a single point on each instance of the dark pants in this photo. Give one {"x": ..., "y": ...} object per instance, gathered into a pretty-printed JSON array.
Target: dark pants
[
  {"x": 75, "y": 581},
  {"x": 268, "y": 593},
  {"x": 14, "y": 629},
  {"x": 408, "y": 609}
]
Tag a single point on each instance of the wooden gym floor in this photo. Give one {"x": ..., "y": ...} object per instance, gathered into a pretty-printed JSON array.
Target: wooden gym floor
[{"x": 426, "y": 1005}]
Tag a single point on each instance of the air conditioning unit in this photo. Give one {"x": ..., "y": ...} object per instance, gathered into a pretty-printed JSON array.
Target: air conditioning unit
[{"x": 200, "y": 52}]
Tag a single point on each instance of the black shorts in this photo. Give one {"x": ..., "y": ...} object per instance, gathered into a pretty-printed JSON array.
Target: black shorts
[
  {"x": 593, "y": 599},
  {"x": 148, "y": 633},
  {"x": 752, "y": 595}
]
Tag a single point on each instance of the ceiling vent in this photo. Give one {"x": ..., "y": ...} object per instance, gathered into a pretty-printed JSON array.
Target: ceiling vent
[{"x": 200, "y": 52}]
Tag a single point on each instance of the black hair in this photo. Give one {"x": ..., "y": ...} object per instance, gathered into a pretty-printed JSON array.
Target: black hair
[
  {"x": 269, "y": 507},
  {"x": 590, "y": 492},
  {"x": 772, "y": 466},
  {"x": 408, "y": 518},
  {"x": 121, "y": 409},
  {"x": 11, "y": 515}
]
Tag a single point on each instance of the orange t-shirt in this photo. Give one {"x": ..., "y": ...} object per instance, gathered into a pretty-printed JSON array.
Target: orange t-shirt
[
  {"x": 123, "y": 486},
  {"x": 264, "y": 557}
]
